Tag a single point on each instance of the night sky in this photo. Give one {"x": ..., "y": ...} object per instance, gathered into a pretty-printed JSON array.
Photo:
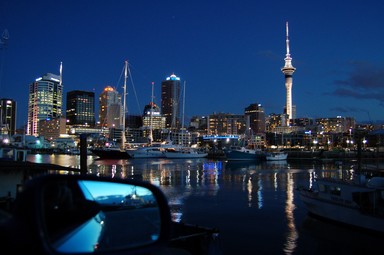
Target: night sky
[{"x": 229, "y": 53}]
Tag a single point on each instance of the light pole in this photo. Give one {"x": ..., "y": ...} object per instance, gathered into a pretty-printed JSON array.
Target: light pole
[{"x": 315, "y": 143}]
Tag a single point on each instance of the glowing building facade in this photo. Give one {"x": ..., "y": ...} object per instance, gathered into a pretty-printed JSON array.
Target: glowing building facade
[
  {"x": 81, "y": 108},
  {"x": 110, "y": 108},
  {"x": 170, "y": 101},
  {"x": 7, "y": 116},
  {"x": 256, "y": 115},
  {"x": 44, "y": 102}
]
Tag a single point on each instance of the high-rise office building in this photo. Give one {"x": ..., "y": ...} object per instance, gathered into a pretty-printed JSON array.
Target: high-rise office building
[
  {"x": 153, "y": 121},
  {"x": 52, "y": 129},
  {"x": 81, "y": 108},
  {"x": 170, "y": 101},
  {"x": 256, "y": 118},
  {"x": 45, "y": 101},
  {"x": 288, "y": 71},
  {"x": 7, "y": 116},
  {"x": 110, "y": 108},
  {"x": 226, "y": 124}
]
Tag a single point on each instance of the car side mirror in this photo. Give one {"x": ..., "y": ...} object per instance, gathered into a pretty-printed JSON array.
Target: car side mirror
[{"x": 72, "y": 214}]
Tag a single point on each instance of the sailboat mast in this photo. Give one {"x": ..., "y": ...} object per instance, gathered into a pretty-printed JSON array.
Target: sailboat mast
[
  {"x": 150, "y": 124},
  {"x": 182, "y": 119},
  {"x": 124, "y": 104}
]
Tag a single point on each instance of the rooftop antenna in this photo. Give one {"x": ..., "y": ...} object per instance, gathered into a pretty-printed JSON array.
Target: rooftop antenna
[{"x": 288, "y": 58}]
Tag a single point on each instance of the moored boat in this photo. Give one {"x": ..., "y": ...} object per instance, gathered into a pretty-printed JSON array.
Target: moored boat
[
  {"x": 151, "y": 151},
  {"x": 276, "y": 155},
  {"x": 111, "y": 153},
  {"x": 242, "y": 153},
  {"x": 358, "y": 202},
  {"x": 184, "y": 152}
]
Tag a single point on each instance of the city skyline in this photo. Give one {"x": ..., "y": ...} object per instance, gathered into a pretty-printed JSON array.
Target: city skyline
[{"x": 230, "y": 54}]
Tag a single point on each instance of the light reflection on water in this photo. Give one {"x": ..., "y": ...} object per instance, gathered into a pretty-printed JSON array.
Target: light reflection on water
[{"x": 250, "y": 203}]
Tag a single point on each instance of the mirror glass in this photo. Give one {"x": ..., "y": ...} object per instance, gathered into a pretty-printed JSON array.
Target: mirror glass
[{"x": 88, "y": 216}]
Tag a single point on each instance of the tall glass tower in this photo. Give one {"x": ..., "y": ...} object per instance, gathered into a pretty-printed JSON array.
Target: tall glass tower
[
  {"x": 110, "y": 108},
  {"x": 170, "y": 101},
  {"x": 81, "y": 108},
  {"x": 45, "y": 101},
  {"x": 7, "y": 116}
]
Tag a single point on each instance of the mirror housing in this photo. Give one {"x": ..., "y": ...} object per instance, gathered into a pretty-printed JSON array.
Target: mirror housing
[{"x": 84, "y": 214}]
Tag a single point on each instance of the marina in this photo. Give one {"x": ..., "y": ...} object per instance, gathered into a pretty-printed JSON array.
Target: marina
[{"x": 255, "y": 205}]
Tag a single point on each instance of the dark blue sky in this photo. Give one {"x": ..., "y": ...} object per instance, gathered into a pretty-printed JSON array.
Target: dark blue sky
[{"x": 229, "y": 52}]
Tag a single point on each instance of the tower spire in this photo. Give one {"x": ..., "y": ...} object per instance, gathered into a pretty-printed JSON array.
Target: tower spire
[{"x": 288, "y": 59}]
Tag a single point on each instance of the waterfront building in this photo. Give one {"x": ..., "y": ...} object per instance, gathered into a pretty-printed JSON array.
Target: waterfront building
[
  {"x": 226, "y": 124},
  {"x": 114, "y": 116},
  {"x": 274, "y": 120},
  {"x": 80, "y": 108},
  {"x": 110, "y": 108},
  {"x": 256, "y": 115},
  {"x": 288, "y": 71},
  {"x": 337, "y": 124},
  {"x": 153, "y": 122},
  {"x": 170, "y": 101},
  {"x": 45, "y": 101},
  {"x": 134, "y": 134},
  {"x": 134, "y": 121},
  {"x": 302, "y": 122},
  {"x": 199, "y": 123},
  {"x": 52, "y": 128},
  {"x": 7, "y": 117}
]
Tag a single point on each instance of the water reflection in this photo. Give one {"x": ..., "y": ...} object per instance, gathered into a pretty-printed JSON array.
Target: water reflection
[
  {"x": 247, "y": 201},
  {"x": 292, "y": 234}
]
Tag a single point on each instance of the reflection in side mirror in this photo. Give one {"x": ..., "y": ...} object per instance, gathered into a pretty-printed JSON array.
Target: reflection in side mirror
[{"x": 84, "y": 215}]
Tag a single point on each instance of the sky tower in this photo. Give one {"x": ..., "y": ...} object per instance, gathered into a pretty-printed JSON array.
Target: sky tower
[{"x": 288, "y": 70}]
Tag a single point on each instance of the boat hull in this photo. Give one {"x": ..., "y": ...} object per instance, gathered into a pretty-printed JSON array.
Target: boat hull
[
  {"x": 276, "y": 156},
  {"x": 240, "y": 155},
  {"x": 111, "y": 154},
  {"x": 176, "y": 155},
  {"x": 341, "y": 212}
]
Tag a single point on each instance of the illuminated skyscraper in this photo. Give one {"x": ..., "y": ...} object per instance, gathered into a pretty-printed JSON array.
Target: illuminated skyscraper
[
  {"x": 288, "y": 71},
  {"x": 110, "y": 108},
  {"x": 256, "y": 118},
  {"x": 45, "y": 101},
  {"x": 81, "y": 108},
  {"x": 153, "y": 121},
  {"x": 7, "y": 116},
  {"x": 170, "y": 101}
]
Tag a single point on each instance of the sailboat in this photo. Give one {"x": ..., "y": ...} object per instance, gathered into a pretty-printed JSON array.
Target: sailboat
[
  {"x": 276, "y": 155},
  {"x": 246, "y": 151},
  {"x": 181, "y": 151},
  {"x": 151, "y": 150},
  {"x": 116, "y": 152}
]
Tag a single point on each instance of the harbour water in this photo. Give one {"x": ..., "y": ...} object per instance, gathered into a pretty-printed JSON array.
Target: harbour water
[{"x": 255, "y": 206}]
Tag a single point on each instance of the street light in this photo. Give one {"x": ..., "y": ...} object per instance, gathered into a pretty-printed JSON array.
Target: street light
[{"x": 315, "y": 143}]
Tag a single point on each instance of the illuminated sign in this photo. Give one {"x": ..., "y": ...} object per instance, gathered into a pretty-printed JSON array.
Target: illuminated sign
[{"x": 212, "y": 137}]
